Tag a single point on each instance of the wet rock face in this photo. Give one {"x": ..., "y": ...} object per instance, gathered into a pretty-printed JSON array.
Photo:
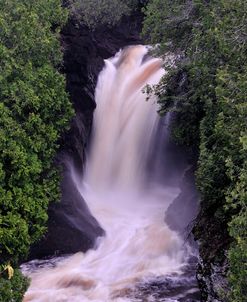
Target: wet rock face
[
  {"x": 212, "y": 279},
  {"x": 71, "y": 227},
  {"x": 181, "y": 214},
  {"x": 214, "y": 241}
]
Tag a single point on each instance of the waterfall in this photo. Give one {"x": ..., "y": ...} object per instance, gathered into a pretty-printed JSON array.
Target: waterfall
[
  {"x": 138, "y": 249},
  {"x": 124, "y": 122}
]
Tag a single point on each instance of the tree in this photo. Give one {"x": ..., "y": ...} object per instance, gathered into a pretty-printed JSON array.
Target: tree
[
  {"x": 34, "y": 111},
  {"x": 95, "y": 13},
  {"x": 210, "y": 38}
]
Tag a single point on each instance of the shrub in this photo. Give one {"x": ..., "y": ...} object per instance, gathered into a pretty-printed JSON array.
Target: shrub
[{"x": 95, "y": 13}]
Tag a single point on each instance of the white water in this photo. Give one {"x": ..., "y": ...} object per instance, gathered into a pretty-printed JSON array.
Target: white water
[{"x": 138, "y": 245}]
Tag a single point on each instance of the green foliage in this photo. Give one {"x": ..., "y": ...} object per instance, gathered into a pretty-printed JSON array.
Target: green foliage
[
  {"x": 210, "y": 37},
  {"x": 34, "y": 110},
  {"x": 95, "y": 13},
  {"x": 170, "y": 23},
  {"x": 12, "y": 291}
]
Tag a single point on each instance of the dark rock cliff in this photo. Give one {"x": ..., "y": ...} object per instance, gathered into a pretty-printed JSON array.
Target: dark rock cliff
[
  {"x": 71, "y": 227},
  {"x": 214, "y": 240}
]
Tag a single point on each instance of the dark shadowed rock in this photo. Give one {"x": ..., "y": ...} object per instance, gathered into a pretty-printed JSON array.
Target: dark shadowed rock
[
  {"x": 71, "y": 227},
  {"x": 184, "y": 209}
]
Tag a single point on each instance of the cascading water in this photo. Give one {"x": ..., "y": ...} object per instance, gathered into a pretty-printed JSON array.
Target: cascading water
[{"x": 140, "y": 258}]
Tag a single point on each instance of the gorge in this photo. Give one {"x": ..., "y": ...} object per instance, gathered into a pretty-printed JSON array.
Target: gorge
[
  {"x": 143, "y": 196},
  {"x": 128, "y": 193}
]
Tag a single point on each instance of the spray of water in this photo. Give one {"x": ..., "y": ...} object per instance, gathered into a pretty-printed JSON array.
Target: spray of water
[{"x": 138, "y": 245}]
